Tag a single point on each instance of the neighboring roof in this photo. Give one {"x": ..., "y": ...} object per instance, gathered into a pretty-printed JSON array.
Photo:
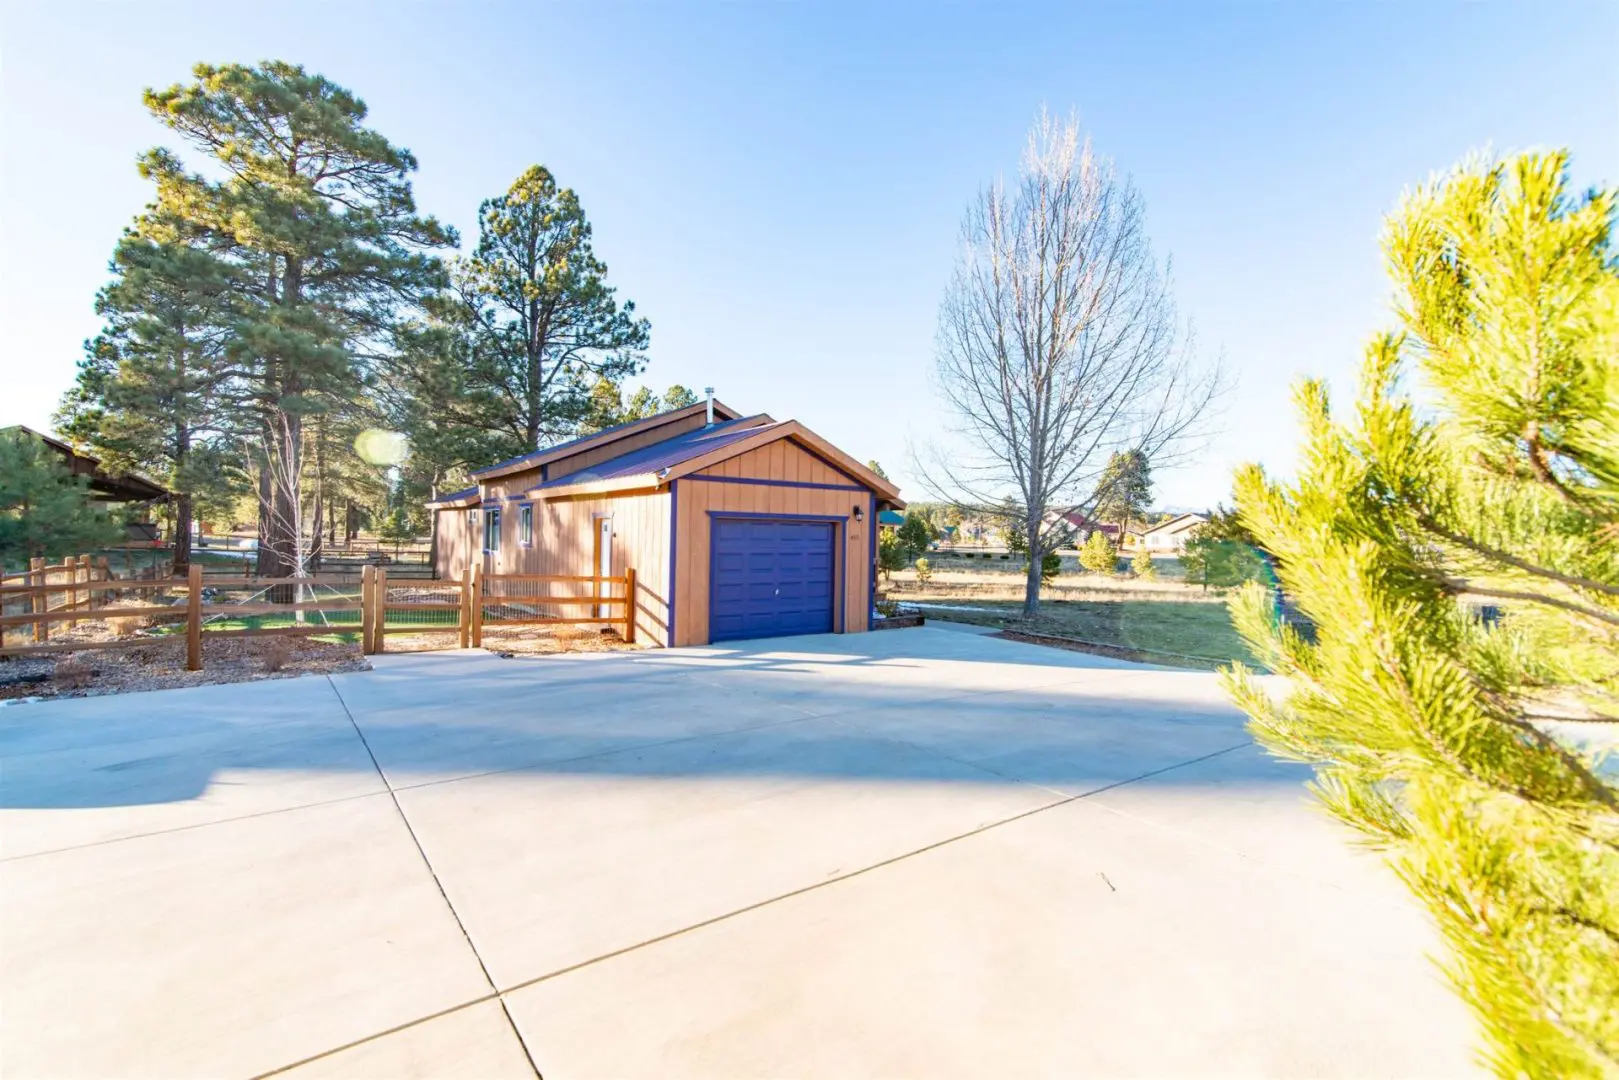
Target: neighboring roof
[
  {"x": 890, "y": 517},
  {"x": 119, "y": 487},
  {"x": 1179, "y": 523},
  {"x": 693, "y": 451},
  {"x": 464, "y": 497},
  {"x": 535, "y": 458}
]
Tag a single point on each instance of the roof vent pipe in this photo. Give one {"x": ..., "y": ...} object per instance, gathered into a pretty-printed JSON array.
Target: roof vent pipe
[{"x": 708, "y": 392}]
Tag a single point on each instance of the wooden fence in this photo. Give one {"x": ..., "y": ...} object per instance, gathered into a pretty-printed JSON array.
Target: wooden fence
[
  {"x": 484, "y": 600},
  {"x": 75, "y": 592}
]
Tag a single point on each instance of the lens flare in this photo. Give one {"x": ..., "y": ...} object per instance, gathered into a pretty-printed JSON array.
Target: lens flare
[{"x": 378, "y": 447}]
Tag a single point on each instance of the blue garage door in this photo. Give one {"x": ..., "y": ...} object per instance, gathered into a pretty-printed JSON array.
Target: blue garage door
[{"x": 770, "y": 578}]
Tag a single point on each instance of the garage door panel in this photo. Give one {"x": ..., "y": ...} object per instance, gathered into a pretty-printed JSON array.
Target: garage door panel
[{"x": 771, "y": 577}]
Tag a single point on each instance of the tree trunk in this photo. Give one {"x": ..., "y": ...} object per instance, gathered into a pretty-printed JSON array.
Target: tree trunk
[
  {"x": 432, "y": 541},
  {"x": 1031, "y": 583},
  {"x": 265, "y": 564},
  {"x": 278, "y": 510},
  {"x": 182, "y": 533},
  {"x": 317, "y": 516}
]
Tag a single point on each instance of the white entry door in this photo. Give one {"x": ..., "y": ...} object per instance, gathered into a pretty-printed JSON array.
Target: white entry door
[{"x": 604, "y": 561}]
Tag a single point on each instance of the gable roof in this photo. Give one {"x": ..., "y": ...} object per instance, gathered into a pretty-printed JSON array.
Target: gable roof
[
  {"x": 464, "y": 497},
  {"x": 535, "y": 458},
  {"x": 1178, "y": 523},
  {"x": 660, "y": 457},
  {"x": 693, "y": 451}
]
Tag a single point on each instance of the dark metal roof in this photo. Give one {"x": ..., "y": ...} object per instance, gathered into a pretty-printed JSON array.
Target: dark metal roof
[
  {"x": 453, "y": 496},
  {"x": 664, "y": 455},
  {"x": 532, "y": 454},
  {"x": 550, "y": 452}
]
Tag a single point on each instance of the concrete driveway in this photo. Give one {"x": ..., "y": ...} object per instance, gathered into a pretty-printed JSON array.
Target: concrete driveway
[{"x": 915, "y": 853}]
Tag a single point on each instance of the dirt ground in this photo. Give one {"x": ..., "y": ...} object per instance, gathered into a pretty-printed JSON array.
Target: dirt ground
[
  {"x": 161, "y": 665},
  {"x": 524, "y": 640}
]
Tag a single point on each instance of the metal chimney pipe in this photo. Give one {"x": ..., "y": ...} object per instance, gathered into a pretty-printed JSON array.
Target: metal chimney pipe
[{"x": 708, "y": 392}]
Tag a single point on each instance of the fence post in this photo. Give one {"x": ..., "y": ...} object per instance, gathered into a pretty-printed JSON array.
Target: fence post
[
  {"x": 81, "y": 597},
  {"x": 477, "y": 606},
  {"x": 629, "y": 605},
  {"x": 465, "y": 621},
  {"x": 70, "y": 570},
  {"x": 379, "y": 618},
  {"x": 41, "y": 600},
  {"x": 367, "y": 615},
  {"x": 194, "y": 617}
]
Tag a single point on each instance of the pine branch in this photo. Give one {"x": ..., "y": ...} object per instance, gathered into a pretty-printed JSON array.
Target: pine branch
[
  {"x": 1480, "y": 548},
  {"x": 1462, "y": 585}
]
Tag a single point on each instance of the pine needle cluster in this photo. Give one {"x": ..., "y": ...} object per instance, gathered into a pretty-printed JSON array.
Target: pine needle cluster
[{"x": 1458, "y": 555}]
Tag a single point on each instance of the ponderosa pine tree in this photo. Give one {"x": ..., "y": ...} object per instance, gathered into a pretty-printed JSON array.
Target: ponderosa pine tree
[
  {"x": 1460, "y": 562},
  {"x": 152, "y": 391},
  {"x": 540, "y": 322},
  {"x": 1124, "y": 490},
  {"x": 607, "y": 405},
  {"x": 314, "y": 212}
]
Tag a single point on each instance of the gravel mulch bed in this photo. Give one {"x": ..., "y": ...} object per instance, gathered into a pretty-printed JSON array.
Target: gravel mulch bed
[
  {"x": 161, "y": 665},
  {"x": 519, "y": 641}
]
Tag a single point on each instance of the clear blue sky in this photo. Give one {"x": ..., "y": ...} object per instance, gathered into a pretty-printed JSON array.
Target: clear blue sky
[{"x": 778, "y": 187}]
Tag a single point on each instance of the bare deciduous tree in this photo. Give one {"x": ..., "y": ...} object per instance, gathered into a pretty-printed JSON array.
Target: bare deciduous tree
[{"x": 1059, "y": 344}]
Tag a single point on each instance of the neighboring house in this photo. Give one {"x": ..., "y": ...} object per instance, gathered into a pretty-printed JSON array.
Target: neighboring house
[
  {"x": 129, "y": 488},
  {"x": 1169, "y": 537},
  {"x": 736, "y": 526},
  {"x": 889, "y": 520},
  {"x": 1083, "y": 527}
]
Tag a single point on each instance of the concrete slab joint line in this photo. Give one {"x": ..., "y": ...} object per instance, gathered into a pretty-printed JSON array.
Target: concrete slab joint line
[
  {"x": 495, "y": 993},
  {"x": 498, "y": 993},
  {"x": 962, "y": 855}
]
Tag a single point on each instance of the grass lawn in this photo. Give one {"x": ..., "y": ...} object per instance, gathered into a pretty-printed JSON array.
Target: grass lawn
[{"x": 1186, "y": 630}]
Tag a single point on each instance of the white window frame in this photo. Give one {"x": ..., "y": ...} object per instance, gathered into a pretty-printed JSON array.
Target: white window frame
[{"x": 525, "y": 525}]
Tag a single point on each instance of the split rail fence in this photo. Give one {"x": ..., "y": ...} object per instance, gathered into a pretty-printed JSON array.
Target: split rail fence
[{"x": 152, "y": 610}]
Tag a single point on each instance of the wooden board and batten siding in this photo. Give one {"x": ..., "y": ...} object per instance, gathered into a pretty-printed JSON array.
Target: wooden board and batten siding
[
  {"x": 565, "y": 531},
  {"x": 456, "y": 541},
  {"x": 664, "y": 531},
  {"x": 723, "y": 489}
]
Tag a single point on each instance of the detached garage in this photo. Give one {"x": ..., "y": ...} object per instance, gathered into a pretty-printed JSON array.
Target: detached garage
[{"x": 737, "y": 527}]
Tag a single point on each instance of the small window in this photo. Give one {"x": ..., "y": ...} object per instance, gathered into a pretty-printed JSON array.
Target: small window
[
  {"x": 525, "y": 525},
  {"x": 472, "y": 521},
  {"x": 491, "y": 530}
]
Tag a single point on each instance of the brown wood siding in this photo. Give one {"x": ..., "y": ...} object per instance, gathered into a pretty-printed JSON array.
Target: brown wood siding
[
  {"x": 454, "y": 543},
  {"x": 505, "y": 486},
  {"x": 783, "y": 460},
  {"x": 564, "y": 543},
  {"x": 780, "y": 461}
]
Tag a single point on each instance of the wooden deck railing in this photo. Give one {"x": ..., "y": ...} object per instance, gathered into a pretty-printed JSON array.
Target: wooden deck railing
[{"x": 47, "y": 596}]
